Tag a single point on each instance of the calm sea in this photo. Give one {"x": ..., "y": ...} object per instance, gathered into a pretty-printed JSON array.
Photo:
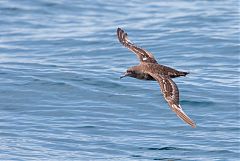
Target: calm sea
[{"x": 60, "y": 93}]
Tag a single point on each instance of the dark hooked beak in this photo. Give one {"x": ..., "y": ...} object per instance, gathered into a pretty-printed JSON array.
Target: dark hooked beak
[{"x": 125, "y": 75}]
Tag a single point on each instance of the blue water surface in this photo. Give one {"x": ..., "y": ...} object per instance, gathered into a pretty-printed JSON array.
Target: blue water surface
[{"x": 60, "y": 93}]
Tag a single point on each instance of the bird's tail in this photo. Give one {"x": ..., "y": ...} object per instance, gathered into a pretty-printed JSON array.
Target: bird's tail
[
  {"x": 178, "y": 74},
  {"x": 183, "y": 73}
]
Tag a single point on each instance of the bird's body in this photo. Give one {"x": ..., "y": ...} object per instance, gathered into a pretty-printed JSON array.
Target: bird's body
[
  {"x": 149, "y": 69},
  {"x": 143, "y": 68}
]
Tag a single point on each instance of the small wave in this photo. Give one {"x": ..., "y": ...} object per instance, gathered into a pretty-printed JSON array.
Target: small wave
[
  {"x": 86, "y": 127},
  {"x": 136, "y": 156},
  {"x": 165, "y": 148},
  {"x": 167, "y": 159}
]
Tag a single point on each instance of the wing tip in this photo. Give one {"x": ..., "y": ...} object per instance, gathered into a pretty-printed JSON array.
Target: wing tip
[
  {"x": 181, "y": 114},
  {"x": 123, "y": 37},
  {"x": 119, "y": 29},
  {"x": 120, "y": 35},
  {"x": 194, "y": 125}
]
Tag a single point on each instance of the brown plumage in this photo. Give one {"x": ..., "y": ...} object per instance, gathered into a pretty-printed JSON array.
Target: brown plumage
[{"x": 149, "y": 69}]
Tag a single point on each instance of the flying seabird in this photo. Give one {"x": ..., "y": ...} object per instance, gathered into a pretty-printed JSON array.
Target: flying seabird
[{"x": 149, "y": 69}]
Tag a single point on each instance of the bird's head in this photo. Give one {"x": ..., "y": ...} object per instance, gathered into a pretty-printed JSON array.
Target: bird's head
[{"x": 131, "y": 72}]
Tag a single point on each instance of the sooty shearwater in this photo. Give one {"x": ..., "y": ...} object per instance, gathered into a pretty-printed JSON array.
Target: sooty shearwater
[{"x": 149, "y": 69}]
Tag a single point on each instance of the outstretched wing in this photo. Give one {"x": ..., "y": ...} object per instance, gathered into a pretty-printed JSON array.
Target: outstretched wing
[
  {"x": 171, "y": 95},
  {"x": 143, "y": 55}
]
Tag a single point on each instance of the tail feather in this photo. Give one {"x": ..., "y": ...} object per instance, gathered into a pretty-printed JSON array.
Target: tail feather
[
  {"x": 178, "y": 74},
  {"x": 184, "y": 73}
]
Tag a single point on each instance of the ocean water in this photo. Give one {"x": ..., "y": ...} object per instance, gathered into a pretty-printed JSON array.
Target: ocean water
[{"x": 60, "y": 93}]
